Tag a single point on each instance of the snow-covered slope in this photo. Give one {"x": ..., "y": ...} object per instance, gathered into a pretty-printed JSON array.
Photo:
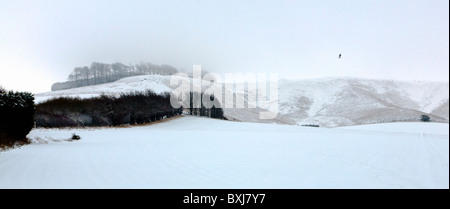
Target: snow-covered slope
[
  {"x": 156, "y": 83},
  {"x": 192, "y": 152},
  {"x": 326, "y": 102},
  {"x": 349, "y": 101}
]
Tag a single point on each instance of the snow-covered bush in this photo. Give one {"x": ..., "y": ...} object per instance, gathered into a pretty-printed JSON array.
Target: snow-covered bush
[{"x": 16, "y": 116}]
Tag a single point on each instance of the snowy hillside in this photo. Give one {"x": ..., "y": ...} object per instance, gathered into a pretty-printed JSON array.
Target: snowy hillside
[
  {"x": 326, "y": 102},
  {"x": 156, "y": 83},
  {"x": 182, "y": 153},
  {"x": 338, "y": 102}
]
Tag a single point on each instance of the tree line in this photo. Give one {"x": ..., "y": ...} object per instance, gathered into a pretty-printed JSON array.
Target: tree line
[
  {"x": 98, "y": 73},
  {"x": 126, "y": 109},
  {"x": 19, "y": 114},
  {"x": 129, "y": 108},
  {"x": 201, "y": 104}
]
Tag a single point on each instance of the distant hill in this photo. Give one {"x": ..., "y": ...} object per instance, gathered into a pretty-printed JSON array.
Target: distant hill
[{"x": 350, "y": 101}]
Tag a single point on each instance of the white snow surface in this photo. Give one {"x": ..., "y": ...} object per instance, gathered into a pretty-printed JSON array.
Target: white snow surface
[{"x": 192, "y": 152}]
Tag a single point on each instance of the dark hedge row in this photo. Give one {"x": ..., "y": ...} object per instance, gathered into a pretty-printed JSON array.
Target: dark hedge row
[
  {"x": 16, "y": 116},
  {"x": 99, "y": 73},
  {"x": 130, "y": 108}
]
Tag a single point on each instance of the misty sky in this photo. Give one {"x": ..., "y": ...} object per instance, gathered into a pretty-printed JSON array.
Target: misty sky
[{"x": 42, "y": 41}]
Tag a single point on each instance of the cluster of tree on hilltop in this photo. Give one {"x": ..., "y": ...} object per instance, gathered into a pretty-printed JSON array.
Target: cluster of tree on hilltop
[
  {"x": 19, "y": 114},
  {"x": 99, "y": 73},
  {"x": 16, "y": 116}
]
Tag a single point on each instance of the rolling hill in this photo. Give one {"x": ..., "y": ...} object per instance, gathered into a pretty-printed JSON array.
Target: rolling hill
[{"x": 328, "y": 102}]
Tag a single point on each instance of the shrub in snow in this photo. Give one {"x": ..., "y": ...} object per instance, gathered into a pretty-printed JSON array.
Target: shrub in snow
[
  {"x": 16, "y": 116},
  {"x": 128, "y": 108},
  {"x": 425, "y": 118},
  {"x": 75, "y": 137}
]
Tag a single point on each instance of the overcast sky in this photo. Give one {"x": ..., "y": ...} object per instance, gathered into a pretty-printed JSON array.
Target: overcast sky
[{"x": 42, "y": 41}]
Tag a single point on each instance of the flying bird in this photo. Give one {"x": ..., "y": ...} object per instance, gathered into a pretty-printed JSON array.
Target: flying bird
[{"x": 340, "y": 56}]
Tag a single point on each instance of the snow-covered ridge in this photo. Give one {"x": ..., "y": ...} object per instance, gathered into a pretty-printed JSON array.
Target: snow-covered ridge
[
  {"x": 326, "y": 102},
  {"x": 156, "y": 83},
  {"x": 336, "y": 102}
]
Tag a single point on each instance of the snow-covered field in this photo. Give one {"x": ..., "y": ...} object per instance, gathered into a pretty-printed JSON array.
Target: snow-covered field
[{"x": 192, "y": 152}]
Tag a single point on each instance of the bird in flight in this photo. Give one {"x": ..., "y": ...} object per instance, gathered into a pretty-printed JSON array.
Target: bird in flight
[{"x": 340, "y": 56}]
